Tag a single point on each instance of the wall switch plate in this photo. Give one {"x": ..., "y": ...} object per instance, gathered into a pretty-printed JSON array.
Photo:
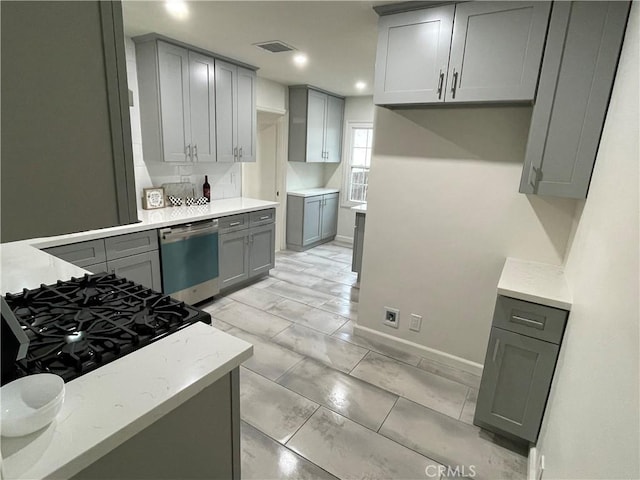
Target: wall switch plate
[
  {"x": 391, "y": 317},
  {"x": 415, "y": 322}
]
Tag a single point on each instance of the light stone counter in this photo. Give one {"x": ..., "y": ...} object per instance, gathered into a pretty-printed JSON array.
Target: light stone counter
[
  {"x": 25, "y": 266},
  {"x": 535, "y": 282},
  {"x": 106, "y": 407},
  {"x": 360, "y": 208},
  {"x": 312, "y": 192}
]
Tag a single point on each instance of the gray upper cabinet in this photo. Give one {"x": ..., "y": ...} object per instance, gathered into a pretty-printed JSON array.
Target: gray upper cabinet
[
  {"x": 235, "y": 113},
  {"x": 578, "y": 70},
  {"x": 496, "y": 51},
  {"x": 468, "y": 52},
  {"x": 202, "y": 106},
  {"x": 177, "y": 103},
  {"x": 315, "y": 125},
  {"x": 412, "y": 56}
]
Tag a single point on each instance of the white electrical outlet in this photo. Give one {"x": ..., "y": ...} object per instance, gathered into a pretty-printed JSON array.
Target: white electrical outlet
[
  {"x": 391, "y": 317},
  {"x": 416, "y": 322}
]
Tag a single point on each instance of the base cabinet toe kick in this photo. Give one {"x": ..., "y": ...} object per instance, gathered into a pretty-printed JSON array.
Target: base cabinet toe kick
[{"x": 519, "y": 366}]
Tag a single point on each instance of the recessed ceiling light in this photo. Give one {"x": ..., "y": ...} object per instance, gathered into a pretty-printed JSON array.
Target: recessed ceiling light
[
  {"x": 300, "y": 59},
  {"x": 361, "y": 85},
  {"x": 177, "y": 9}
]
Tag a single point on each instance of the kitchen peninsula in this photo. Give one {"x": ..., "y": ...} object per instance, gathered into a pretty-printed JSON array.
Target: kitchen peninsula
[{"x": 137, "y": 416}]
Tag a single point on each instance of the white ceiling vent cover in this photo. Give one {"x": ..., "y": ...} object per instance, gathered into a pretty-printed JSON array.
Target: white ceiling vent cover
[{"x": 275, "y": 46}]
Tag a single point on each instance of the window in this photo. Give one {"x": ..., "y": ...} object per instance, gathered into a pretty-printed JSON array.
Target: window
[{"x": 357, "y": 175}]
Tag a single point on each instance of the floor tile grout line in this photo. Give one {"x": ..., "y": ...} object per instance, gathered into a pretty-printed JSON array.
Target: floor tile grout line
[
  {"x": 356, "y": 365},
  {"x": 292, "y": 367},
  {"x": 388, "y": 413},
  {"x": 303, "y": 424}
]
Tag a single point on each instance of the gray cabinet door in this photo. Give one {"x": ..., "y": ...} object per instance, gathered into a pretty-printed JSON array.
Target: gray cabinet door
[
  {"x": 234, "y": 258},
  {"x": 329, "y": 215},
  {"x": 226, "y": 110},
  {"x": 578, "y": 70},
  {"x": 316, "y": 122},
  {"x": 412, "y": 56},
  {"x": 143, "y": 268},
  {"x": 246, "y": 115},
  {"x": 173, "y": 69},
  {"x": 312, "y": 220},
  {"x": 496, "y": 51},
  {"x": 515, "y": 383},
  {"x": 202, "y": 107},
  {"x": 131, "y": 244},
  {"x": 81, "y": 254},
  {"x": 333, "y": 130},
  {"x": 262, "y": 249}
]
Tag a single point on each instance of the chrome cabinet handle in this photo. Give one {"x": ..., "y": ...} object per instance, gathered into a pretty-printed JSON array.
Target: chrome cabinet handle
[
  {"x": 195, "y": 151},
  {"x": 250, "y": 238},
  {"x": 240, "y": 155},
  {"x": 264, "y": 217},
  {"x": 495, "y": 350},
  {"x": 536, "y": 174},
  {"x": 527, "y": 322},
  {"x": 454, "y": 84},
  {"x": 440, "y": 82},
  {"x": 235, "y": 153},
  {"x": 187, "y": 151},
  {"x": 234, "y": 224}
]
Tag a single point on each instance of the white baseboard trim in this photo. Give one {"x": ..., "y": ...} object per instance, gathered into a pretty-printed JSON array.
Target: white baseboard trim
[
  {"x": 345, "y": 240},
  {"x": 421, "y": 350}
]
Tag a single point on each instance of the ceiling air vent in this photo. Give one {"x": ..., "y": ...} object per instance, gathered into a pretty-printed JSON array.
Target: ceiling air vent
[{"x": 274, "y": 46}]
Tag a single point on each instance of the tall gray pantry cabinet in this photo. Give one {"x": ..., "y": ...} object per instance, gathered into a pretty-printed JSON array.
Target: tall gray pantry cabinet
[{"x": 66, "y": 134}]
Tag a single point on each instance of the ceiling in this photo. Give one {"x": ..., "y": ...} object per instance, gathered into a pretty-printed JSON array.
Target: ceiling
[{"x": 339, "y": 37}]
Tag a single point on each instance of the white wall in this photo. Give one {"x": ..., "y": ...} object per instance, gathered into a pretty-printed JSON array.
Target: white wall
[
  {"x": 356, "y": 110},
  {"x": 443, "y": 213},
  {"x": 224, "y": 179},
  {"x": 591, "y": 426},
  {"x": 271, "y": 96}
]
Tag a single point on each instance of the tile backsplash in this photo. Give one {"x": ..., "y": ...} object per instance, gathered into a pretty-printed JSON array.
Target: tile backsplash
[{"x": 224, "y": 178}]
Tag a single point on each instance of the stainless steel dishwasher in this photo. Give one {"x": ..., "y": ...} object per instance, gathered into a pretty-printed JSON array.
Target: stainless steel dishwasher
[{"x": 190, "y": 265}]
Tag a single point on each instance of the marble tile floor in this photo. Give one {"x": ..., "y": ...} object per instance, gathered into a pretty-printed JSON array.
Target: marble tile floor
[{"x": 319, "y": 402}]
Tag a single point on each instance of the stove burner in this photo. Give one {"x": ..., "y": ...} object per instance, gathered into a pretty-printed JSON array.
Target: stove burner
[{"x": 78, "y": 325}]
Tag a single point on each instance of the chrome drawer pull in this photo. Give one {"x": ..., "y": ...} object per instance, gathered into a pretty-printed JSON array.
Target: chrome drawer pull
[
  {"x": 234, "y": 224},
  {"x": 264, "y": 217},
  {"x": 527, "y": 322}
]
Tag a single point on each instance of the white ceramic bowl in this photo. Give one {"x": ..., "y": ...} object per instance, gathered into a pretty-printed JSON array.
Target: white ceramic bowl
[{"x": 30, "y": 403}]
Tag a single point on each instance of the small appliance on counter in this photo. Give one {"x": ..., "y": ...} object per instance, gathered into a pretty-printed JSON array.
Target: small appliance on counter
[{"x": 78, "y": 325}]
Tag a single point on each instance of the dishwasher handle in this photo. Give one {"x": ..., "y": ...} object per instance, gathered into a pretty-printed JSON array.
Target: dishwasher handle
[{"x": 181, "y": 232}]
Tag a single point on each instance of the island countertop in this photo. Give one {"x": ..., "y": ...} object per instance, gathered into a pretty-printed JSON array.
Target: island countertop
[{"x": 107, "y": 406}]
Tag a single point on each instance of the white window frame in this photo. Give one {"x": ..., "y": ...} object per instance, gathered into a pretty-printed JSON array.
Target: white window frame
[{"x": 346, "y": 161}]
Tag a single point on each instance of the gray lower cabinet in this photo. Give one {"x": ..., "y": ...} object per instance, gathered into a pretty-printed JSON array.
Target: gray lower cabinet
[
  {"x": 518, "y": 369},
  {"x": 358, "y": 242},
  {"x": 246, "y": 245},
  {"x": 578, "y": 70},
  {"x": 311, "y": 220},
  {"x": 133, "y": 256},
  {"x": 142, "y": 268},
  {"x": 467, "y": 52},
  {"x": 315, "y": 125},
  {"x": 234, "y": 257}
]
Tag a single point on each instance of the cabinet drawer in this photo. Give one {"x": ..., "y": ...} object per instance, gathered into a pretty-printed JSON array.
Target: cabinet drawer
[
  {"x": 530, "y": 319},
  {"x": 81, "y": 254},
  {"x": 262, "y": 217},
  {"x": 131, "y": 244},
  {"x": 233, "y": 223}
]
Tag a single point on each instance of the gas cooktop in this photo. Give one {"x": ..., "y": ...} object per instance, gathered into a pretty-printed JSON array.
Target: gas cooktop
[{"x": 78, "y": 325}]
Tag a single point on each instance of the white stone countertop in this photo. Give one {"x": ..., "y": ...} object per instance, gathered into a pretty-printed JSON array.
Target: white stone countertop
[
  {"x": 106, "y": 407},
  {"x": 360, "y": 208},
  {"x": 25, "y": 266},
  {"x": 312, "y": 192},
  {"x": 535, "y": 282}
]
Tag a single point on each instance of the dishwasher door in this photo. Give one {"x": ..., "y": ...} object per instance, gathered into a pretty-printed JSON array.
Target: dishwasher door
[{"x": 189, "y": 256}]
